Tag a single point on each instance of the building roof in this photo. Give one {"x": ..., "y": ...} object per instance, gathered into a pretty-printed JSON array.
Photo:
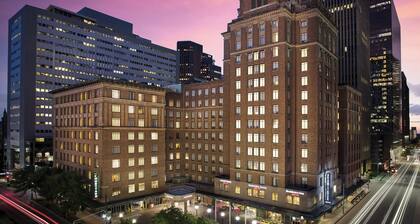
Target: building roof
[{"x": 108, "y": 81}]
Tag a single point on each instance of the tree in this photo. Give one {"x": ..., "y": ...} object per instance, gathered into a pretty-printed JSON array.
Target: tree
[{"x": 174, "y": 215}]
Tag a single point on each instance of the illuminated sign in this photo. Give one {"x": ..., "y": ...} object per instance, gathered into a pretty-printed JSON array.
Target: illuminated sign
[
  {"x": 256, "y": 186},
  {"x": 95, "y": 185},
  {"x": 327, "y": 191},
  {"x": 294, "y": 192},
  {"x": 225, "y": 181}
]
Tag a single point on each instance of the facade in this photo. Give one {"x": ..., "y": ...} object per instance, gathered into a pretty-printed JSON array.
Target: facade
[
  {"x": 385, "y": 58},
  {"x": 196, "y": 136},
  {"x": 3, "y": 137},
  {"x": 194, "y": 65},
  {"x": 350, "y": 155},
  {"x": 53, "y": 48},
  {"x": 405, "y": 109},
  {"x": 413, "y": 134},
  {"x": 114, "y": 134},
  {"x": 352, "y": 20},
  {"x": 281, "y": 63}
]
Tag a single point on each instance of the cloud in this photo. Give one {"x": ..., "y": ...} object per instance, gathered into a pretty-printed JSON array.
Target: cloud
[
  {"x": 414, "y": 88},
  {"x": 415, "y": 109}
]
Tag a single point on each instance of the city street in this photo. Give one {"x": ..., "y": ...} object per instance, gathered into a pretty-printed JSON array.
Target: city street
[{"x": 395, "y": 202}]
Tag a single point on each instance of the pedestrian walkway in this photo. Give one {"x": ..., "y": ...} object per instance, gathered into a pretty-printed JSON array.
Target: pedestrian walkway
[{"x": 351, "y": 201}]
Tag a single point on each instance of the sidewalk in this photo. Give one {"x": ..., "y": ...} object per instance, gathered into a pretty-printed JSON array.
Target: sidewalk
[{"x": 341, "y": 210}]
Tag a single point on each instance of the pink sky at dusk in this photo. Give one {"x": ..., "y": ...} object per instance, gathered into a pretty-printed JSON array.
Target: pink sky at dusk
[{"x": 167, "y": 21}]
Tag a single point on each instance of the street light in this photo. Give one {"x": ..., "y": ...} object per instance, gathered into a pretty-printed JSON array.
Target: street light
[
  {"x": 120, "y": 215},
  {"x": 222, "y": 214},
  {"x": 196, "y": 209},
  {"x": 208, "y": 210},
  {"x": 134, "y": 221},
  {"x": 237, "y": 218},
  {"x": 254, "y": 222}
]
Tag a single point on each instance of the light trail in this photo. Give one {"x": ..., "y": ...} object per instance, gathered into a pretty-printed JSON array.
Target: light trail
[
  {"x": 399, "y": 215},
  {"x": 377, "y": 198},
  {"x": 21, "y": 209}
]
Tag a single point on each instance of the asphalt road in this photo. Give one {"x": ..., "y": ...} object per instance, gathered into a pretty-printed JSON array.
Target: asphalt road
[
  {"x": 14, "y": 215},
  {"x": 397, "y": 201}
]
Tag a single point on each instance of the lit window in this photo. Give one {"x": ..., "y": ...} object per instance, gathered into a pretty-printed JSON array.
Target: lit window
[
  {"x": 141, "y": 186},
  {"x": 131, "y": 162},
  {"x": 304, "y": 109},
  {"x": 115, "y": 94},
  {"x": 304, "y": 153},
  {"x": 116, "y": 122},
  {"x": 304, "y": 66},
  {"x": 304, "y": 124},
  {"x": 154, "y": 136},
  {"x": 131, "y": 109},
  {"x": 115, "y": 136},
  {"x": 304, "y": 80},
  {"x": 154, "y": 160},
  {"x": 304, "y": 52},
  {"x": 275, "y": 51},
  {"x": 238, "y": 72},
  {"x": 116, "y": 108},
  {"x": 155, "y": 184},
  {"x": 304, "y": 95},
  {"x": 304, "y": 168},
  {"x": 131, "y": 188},
  {"x": 115, "y": 163}
]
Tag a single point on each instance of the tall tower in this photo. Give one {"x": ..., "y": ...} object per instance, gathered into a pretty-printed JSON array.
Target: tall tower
[
  {"x": 385, "y": 57},
  {"x": 280, "y": 62}
]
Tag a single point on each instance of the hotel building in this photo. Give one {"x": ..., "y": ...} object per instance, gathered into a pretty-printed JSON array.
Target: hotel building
[
  {"x": 114, "y": 134},
  {"x": 53, "y": 48},
  {"x": 280, "y": 66}
]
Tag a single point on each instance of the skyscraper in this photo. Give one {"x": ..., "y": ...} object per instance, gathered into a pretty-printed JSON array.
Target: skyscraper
[
  {"x": 53, "y": 48},
  {"x": 405, "y": 109},
  {"x": 352, "y": 21},
  {"x": 194, "y": 65},
  {"x": 281, "y": 69},
  {"x": 385, "y": 57}
]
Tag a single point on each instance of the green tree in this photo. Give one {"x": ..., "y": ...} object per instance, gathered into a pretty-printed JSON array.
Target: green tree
[{"x": 174, "y": 215}]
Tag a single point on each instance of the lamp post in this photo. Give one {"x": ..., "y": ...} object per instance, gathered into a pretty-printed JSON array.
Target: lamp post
[
  {"x": 196, "y": 207},
  {"x": 208, "y": 212},
  {"x": 223, "y": 214}
]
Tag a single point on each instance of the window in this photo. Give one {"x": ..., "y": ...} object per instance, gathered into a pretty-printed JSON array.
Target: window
[
  {"x": 304, "y": 66},
  {"x": 115, "y": 136},
  {"x": 304, "y": 139},
  {"x": 250, "y": 70},
  {"x": 115, "y": 163},
  {"x": 238, "y": 72},
  {"x": 141, "y": 161},
  {"x": 116, "y": 149},
  {"x": 130, "y": 136},
  {"x": 131, "y": 175},
  {"x": 304, "y": 168},
  {"x": 140, "y": 135},
  {"x": 262, "y": 68},
  {"x": 154, "y": 160},
  {"x": 275, "y": 123},
  {"x": 275, "y": 138},
  {"x": 131, "y": 162},
  {"x": 131, "y": 109},
  {"x": 115, "y": 94},
  {"x": 304, "y": 80},
  {"x": 275, "y": 153},
  {"x": 238, "y": 98},
  {"x": 238, "y": 85},
  {"x": 155, "y": 184},
  {"x": 275, "y": 167},
  {"x": 115, "y": 177},
  {"x": 304, "y": 52},
  {"x": 116, "y": 122},
  {"x": 274, "y": 196},
  {"x": 275, "y": 94},
  {"x": 275, "y": 51},
  {"x": 141, "y": 186},
  {"x": 141, "y": 123},
  {"x": 304, "y": 153},
  {"x": 237, "y": 137},
  {"x": 140, "y": 174},
  {"x": 154, "y": 111},
  {"x": 237, "y": 190},
  {"x": 154, "y": 136},
  {"x": 304, "y": 37},
  {"x": 116, "y": 108},
  {"x": 141, "y": 97},
  {"x": 238, "y": 124},
  {"x": 304, "y": 109},
  {"x": 140, "y": 148},
  {"x": 275, "y": 80},
  {"x": 304, "y": 95},
  {"x": 131, "y": 149},
  {"x": 238, "y": 163},
  {"x": 275, "y": 65},
  {"x": 154, "y": 99},
  {"x": 304, "y": 23},
  {"x": 131, "y": 188},
  {"x": 304, "y": 124}
]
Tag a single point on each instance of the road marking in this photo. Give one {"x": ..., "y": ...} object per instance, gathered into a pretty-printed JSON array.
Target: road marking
[
  {"x": 391, "y": 207},
  {"x": 378, "y": 196},
  {"x": 399, "y": 215}
]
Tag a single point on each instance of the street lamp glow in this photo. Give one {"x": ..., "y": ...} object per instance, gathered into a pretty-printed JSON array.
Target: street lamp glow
[
  {"x": 237, "y": 218},
  {"x": 121, "y": 215},
  {"x": 222, "y": 214},
  {"x": 104, "y": 216},
  {"x": 254, "y": 222},
  {"x": 108, "y": 218},
  {"x": 209, "y": 210},
  {"x": 134, "y": 221},
  {"x": 196, "y": 207}
]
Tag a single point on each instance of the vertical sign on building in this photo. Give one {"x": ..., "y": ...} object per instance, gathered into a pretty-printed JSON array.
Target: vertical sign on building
[
  {"x": 327, "y": 190},
  {"x": 95, "y": 185}
]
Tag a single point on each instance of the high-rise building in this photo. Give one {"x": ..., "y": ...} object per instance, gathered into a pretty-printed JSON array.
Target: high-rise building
[
  {"x": 281, "y": 69},
  {"x": 352, "y": 20},
  {"x": 385, "y": 58},
  {"x": 114, "y": 134},
  {"x": 194, "y": 65},
  {"x": 53, "y": 48},
  {"x": 405, "y": 109}
]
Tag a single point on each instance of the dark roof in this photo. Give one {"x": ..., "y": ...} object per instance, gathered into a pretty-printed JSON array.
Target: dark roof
[{"x": 109, "y": 81}]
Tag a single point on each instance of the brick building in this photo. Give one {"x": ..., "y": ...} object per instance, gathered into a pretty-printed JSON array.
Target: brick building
[
  {"x": 114, "y": 134},
  {"x": 280, "y": 66}
]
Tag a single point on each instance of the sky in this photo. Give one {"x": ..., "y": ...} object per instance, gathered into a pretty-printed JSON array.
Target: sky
[{"x": 167, "y": 21}]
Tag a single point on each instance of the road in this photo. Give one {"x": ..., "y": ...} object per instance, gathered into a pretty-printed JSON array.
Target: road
[
  {"x": 21, "y": 212},
  {"x": 395, "y": 202}
]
